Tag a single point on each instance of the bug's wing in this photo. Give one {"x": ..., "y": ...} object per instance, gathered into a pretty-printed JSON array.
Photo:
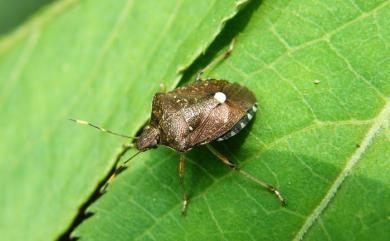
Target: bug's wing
[
  {"x": 218, "y": 120},
  {"x": 169, "y": 104},
  {"x": 190, "y": 115},
  {"x": 239, "y": 97},
  {"x": 193, "y": 95},
  {"x": 215, "y": 123},
  {"x": 189, "y": 101}
]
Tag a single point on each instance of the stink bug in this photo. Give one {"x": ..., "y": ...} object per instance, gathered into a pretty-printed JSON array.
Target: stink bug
[{"x": 205, "y": 111}]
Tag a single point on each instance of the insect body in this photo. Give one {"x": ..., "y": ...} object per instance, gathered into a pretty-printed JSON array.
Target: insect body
[{"x": 197, "y": 114}]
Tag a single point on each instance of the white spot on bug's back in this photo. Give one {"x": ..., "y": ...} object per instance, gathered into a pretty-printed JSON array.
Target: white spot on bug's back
[
  {"x": 220, "y": 97},
  {"x": 249, "y": 116},
  {"x": 254, "y": 108}
]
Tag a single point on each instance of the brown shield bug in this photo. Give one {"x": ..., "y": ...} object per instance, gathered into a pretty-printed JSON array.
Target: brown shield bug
[{"x": 205, "y": 111}]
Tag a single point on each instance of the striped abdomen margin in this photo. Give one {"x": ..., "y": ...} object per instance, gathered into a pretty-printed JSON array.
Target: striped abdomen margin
[{"x": 240, "y": 124}]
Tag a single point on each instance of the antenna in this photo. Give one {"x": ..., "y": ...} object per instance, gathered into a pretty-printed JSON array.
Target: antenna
[{"x": 82, "y": 122}]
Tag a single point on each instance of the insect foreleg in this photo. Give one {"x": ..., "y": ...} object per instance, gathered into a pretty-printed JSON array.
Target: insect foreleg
[
  {"x": 233, "y": 166},
  {"x": 121, "y": 167}
]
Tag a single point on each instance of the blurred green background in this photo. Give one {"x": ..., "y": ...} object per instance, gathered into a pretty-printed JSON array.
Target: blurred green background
[{"x": 13, "y": 13}]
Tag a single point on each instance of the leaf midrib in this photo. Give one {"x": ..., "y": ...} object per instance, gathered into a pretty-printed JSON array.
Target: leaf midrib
[
  {"x": 242, "y": 163},
  {"x": 378, "y": 122}
]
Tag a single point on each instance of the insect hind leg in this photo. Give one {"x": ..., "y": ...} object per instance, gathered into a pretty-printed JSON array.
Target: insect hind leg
[
  {"x": 234, "y": 167},
  {"x": 216, "y": 61}
]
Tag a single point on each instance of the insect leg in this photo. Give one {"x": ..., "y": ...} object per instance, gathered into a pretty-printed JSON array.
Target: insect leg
[
  {"x": 234, "y": 167},
  {"x": 181, "y": 177},
  {"x": 216, "y": 61},
  {"x": 119, "y": 168}
]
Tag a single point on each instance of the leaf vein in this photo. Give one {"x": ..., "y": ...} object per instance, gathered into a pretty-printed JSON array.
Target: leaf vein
[
  {"x": 326, "y": 36},
  {"x": 213, "y": 218},
  {"x": 324, "y": 229},
  {"x": 356, "y": 6},
  {"x": 305, "y": 164},
  {"x": 20, "y": 65},
  {"x": 378, "y": 122},
  {"x": 354, "y": 71},
  {"x": 315, "y": 125},
  {"x": 298, "y": 91}
]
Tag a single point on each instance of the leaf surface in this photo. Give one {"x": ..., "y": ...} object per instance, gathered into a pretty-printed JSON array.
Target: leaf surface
[
  {"x": 96, "y": 60},
  {"x": 320, "y": 73}
]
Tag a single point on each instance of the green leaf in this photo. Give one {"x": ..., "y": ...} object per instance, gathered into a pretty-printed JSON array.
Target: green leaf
[
  {"x": 13, "y": 13},
  {"x": 95, "y": 60},
  {"x": 324, "y": 145}
]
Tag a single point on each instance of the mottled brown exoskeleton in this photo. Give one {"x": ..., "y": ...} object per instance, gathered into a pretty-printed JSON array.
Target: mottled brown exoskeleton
[{"x": 197, "y": 114}]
